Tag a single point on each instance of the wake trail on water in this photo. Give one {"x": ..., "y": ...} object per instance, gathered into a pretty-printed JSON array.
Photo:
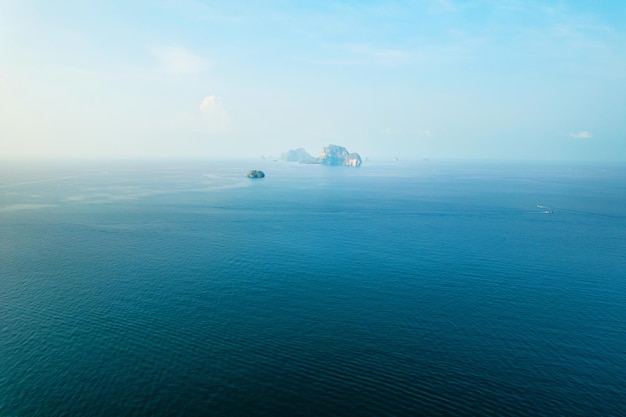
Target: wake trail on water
[{"x": 19, "y": 184}]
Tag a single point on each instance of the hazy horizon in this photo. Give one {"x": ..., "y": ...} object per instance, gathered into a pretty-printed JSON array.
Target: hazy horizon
[{"x": 438, "y": 79}]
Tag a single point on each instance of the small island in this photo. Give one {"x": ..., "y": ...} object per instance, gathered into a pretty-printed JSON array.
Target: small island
[
  {"x": 255, "y": 173},
  {"x": 333, "y": 155}
]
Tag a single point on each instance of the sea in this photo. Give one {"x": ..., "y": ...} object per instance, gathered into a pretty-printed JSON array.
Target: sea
[{"x": 406, "y": 288}]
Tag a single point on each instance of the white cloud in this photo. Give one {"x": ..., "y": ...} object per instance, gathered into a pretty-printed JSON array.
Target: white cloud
[
  {"x": 583, "y": 134},
  {"x": 422, "y": 133},
  {"x": 215, "y": 118},
  {"x": 210, "y": 104},
  {"x": 177, "y": 60},
  {"x": 445, "y": 6},
  {"x": 381, "y": 56}
]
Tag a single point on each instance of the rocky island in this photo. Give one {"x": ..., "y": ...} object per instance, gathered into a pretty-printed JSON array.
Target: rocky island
[
  {"x": 338, "y": 155},
  {"x": 298, "y": 155},
  {"x": 255, "y": 173},
  {"x": 333, "y": 155}
]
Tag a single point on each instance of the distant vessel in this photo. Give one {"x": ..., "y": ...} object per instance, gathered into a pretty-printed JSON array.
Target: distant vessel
[{"x": 546, "y": 210}]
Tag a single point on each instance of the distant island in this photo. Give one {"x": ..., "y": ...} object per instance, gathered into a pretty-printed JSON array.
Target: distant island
[
  {"x": 298, "y": 155},
  {"x": 255, "y": 173},
  {"x": 333, "y": 155}
]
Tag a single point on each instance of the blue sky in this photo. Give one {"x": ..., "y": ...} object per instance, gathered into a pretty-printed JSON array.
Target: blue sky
[{"x": 501, "y": 79}]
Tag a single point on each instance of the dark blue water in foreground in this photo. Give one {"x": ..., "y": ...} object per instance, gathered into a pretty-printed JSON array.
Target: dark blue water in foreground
[{"x": 408, "y": 289}]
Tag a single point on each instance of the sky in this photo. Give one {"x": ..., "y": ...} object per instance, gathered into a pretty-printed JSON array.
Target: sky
[{"x": 488, "y": 79}]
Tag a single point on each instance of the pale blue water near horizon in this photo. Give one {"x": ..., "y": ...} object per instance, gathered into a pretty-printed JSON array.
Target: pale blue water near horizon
[{"x": 425, "y": 288}]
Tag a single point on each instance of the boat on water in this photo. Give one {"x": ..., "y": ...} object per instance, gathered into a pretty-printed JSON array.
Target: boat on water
[{"x": 545, "y": 209}]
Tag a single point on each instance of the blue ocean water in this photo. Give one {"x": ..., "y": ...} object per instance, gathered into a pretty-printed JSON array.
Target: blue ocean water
[{"x": 426, "y": 288}]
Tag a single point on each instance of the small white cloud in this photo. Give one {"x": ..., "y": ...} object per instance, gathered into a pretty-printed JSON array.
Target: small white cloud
[
  {"x": 380, "y": 56},
  {"x": 426, "y": 133},
  {"x": 210, "y": 104},
  {"x": 215, "y": 118},
  {"x": 177, "y": 60},
  {"x": 445, "y": 6},
  {"x": 583, "y": 134}
]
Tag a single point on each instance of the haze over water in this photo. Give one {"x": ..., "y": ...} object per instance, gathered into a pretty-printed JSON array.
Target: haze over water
[
  {"x": 427, "y": 288},
  {"x": 531, "y": 80}
]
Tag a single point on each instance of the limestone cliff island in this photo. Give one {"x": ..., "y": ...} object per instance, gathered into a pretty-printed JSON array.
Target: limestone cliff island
[
  {"x": 255, "y": 173},
  {"x": 331, "y": 155}
]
